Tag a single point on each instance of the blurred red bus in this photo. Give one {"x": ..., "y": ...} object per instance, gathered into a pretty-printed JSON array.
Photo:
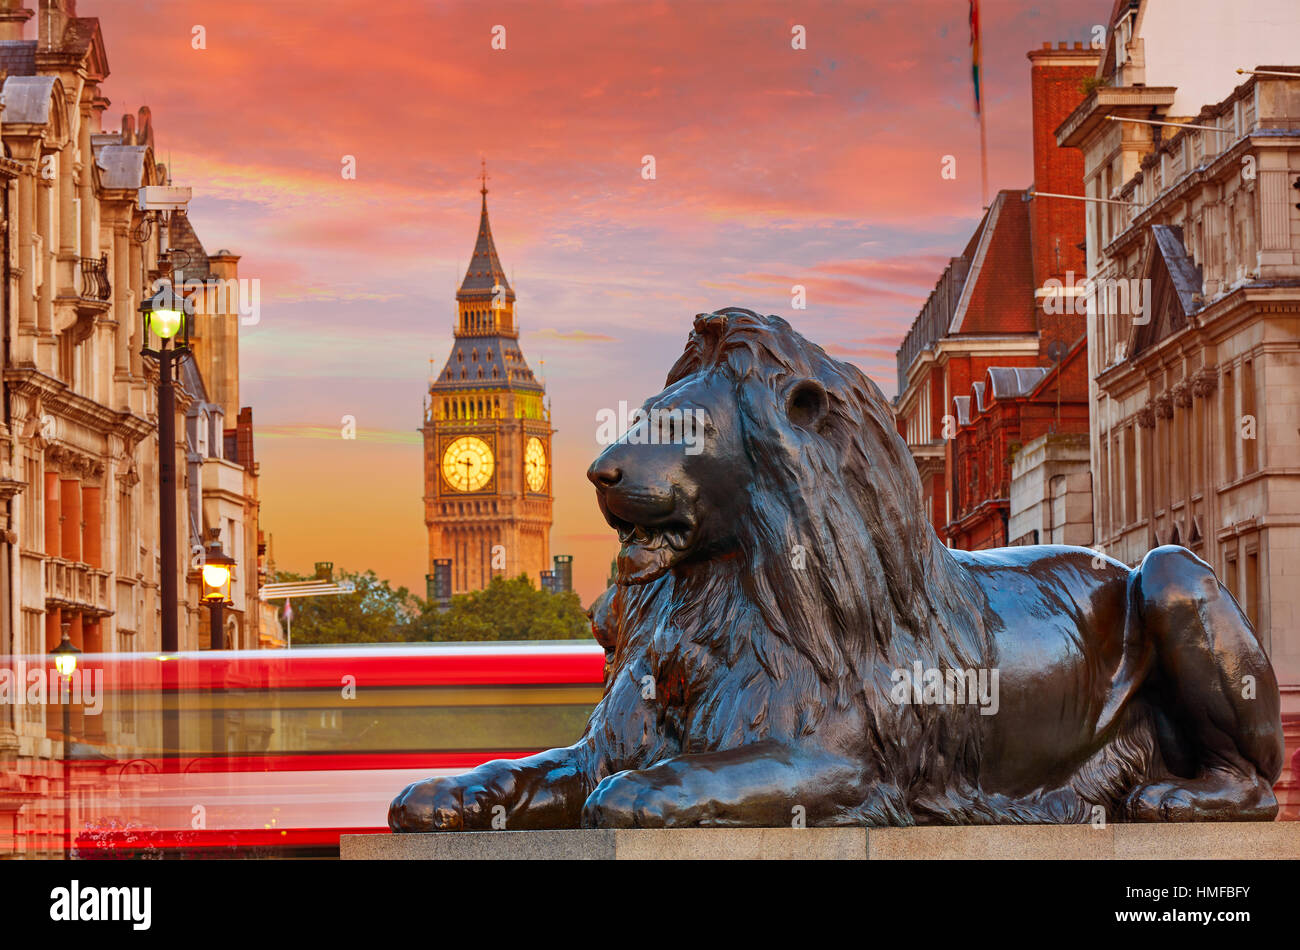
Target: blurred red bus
[{"x": 276, "y": 753}]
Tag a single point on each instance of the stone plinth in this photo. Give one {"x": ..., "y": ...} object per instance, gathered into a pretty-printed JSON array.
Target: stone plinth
[{"x": 1230, "y": 840}]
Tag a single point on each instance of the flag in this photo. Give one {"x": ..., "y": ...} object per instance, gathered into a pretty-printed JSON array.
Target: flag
[{"x": 975, "y": 51}]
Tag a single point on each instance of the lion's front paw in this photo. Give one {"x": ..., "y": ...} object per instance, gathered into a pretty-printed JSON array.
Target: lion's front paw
[
  {"x": 441, "y": 804},
  {"x": 628, "y": 801}
]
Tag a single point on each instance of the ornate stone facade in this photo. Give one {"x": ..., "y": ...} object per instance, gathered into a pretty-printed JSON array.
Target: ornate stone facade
[
  {"x": 1194, "y": 383},
  {"x": 79, "y": 496}
]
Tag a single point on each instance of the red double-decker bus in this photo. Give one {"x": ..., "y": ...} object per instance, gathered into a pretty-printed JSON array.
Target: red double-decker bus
[{"x": 277, "y": 753}]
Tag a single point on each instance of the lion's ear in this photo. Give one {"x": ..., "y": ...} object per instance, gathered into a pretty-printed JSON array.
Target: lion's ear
[{"x": 806, "y": 403}]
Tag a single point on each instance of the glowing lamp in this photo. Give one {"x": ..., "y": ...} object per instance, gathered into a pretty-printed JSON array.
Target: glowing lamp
[
  {"x": 217, "y": 571},
  {"x": 167, "y": 318},
  {"x": 65, "y": 656}
]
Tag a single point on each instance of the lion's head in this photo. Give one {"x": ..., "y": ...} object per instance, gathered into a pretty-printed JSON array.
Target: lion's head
[{"x": 765, "y": 454}]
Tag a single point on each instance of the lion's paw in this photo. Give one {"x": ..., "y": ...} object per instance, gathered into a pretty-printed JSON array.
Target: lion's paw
[
  {"x": 1214, "y": 796},
  {"x": 440, "y": 804},
  {"x": 623, "y": 801}
]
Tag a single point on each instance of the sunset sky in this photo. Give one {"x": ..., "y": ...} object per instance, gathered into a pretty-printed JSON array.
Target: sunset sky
[{"x": 775, "y": 167}]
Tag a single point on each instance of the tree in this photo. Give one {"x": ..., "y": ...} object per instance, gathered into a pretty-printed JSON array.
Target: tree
[
  {"x": 505, "y": 610},
  {"x": 376, "y": 613}
]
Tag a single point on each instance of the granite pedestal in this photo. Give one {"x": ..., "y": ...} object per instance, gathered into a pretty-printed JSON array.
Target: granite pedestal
[{"x": 1218, "y": 840}]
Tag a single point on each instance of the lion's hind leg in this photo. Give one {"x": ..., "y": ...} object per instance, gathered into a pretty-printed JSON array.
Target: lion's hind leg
[{"x": 1216, "y": 695}]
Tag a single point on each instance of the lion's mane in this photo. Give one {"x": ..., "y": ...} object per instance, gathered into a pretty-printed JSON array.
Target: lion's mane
[{"x": 840, "y": 581}]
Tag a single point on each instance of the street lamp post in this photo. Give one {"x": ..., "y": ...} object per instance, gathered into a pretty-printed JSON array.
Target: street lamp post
[
  {"x": 65, "y": 661},
  {"x": 167, "y": 316},
  {"x": 218, "y": 569}
]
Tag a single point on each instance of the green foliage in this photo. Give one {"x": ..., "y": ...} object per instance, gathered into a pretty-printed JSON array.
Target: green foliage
[
  {"x": 375, "y": 613},
  {"x": 1091, "y": 84},
  {"x": 507, "y": 610}
]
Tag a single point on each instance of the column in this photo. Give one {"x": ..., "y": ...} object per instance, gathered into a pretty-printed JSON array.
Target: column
[
  {"x": 86, "y": 188},
  {"x": 67, "y": 191},
  {"x": 123, "y": 311},
  {"x": 135, "y": 263},
  {"x": 76, "y": 723},
  {"x": 53, "y": 708},
  {"x": 27, "y": 249},
  {"x": 44, "y": 229},
  {"x": 93, "y": 636},
  {"x": 53, "y": 515}
]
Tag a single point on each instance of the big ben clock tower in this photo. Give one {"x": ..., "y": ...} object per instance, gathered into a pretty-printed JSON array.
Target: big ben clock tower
[{"x": 487, "y": 438}]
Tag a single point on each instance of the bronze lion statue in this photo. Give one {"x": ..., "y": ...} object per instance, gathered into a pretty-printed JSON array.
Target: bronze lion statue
[{"x": 791, "y": 643}]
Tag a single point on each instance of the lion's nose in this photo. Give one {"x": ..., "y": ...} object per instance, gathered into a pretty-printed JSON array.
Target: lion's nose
[{"x": 604, "y": 474}]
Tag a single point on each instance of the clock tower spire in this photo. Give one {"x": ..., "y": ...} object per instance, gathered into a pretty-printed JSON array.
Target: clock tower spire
[{"x": 487, "y": 437}]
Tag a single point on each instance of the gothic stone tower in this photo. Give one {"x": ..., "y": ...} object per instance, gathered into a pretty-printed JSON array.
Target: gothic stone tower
[{"x": 487, "y": 438}]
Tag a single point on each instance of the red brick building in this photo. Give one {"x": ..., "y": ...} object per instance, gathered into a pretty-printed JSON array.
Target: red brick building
[{"x": 996, "y": 359}]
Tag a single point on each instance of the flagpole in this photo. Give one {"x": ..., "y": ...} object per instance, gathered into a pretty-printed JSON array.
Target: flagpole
[
  {"x": 984, "y": 163},
  {"x": 977, "y": 69}
]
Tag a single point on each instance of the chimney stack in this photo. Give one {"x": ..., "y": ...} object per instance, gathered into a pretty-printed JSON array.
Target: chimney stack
[
  {"x": 12, "y": 17},
  {"x": 53, "y": 22},
  {"x": 1057, "y": 225}
]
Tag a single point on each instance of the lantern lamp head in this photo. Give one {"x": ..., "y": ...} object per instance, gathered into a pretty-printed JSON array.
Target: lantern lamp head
[
  {"x": 168, "y": 316},
  {"x": 65, "y": 656},
  {"x": 218, "y": 569}
]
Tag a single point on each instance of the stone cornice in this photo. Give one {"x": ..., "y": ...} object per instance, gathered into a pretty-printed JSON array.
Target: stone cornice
[
  {"x": 57, "y": 398},
  {"x": 73, "y": 461},
  {"x": 1220, "y": 316},
  {"x": 1080, "y": 125}
]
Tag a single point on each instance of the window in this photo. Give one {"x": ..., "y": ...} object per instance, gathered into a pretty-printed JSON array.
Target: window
[
  {"x": 1198, "y": 445},
  {"x": 202, "y": 439},
  {"x": 1252, "y": 588},
  {"x": 1229, "y": 410},
  {"x": 1130, "y": 476},
  {"x": 32, "y": 503},
  {"x": 1116, "y": 499},
  {"x": 125, "y": 536},
  {"x": 1249, "y": 447}
]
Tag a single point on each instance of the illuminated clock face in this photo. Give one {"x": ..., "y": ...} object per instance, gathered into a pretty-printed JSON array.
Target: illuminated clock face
[
  {"x": 467, "y": 464},
  {"x": 535, "y": 464}
]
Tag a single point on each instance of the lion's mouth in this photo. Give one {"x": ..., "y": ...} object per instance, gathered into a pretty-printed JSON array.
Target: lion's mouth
[
  {"x": 652, "y": 538},
  {"x": 649, "y": 550}
]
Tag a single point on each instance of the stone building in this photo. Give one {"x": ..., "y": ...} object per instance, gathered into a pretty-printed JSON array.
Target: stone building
[
  {"x": 994, "y": 361},
  {"x": 79, "y": 451},
  {"x": 1194, "y": 357},
  {"x": 487, "y": 439}
]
